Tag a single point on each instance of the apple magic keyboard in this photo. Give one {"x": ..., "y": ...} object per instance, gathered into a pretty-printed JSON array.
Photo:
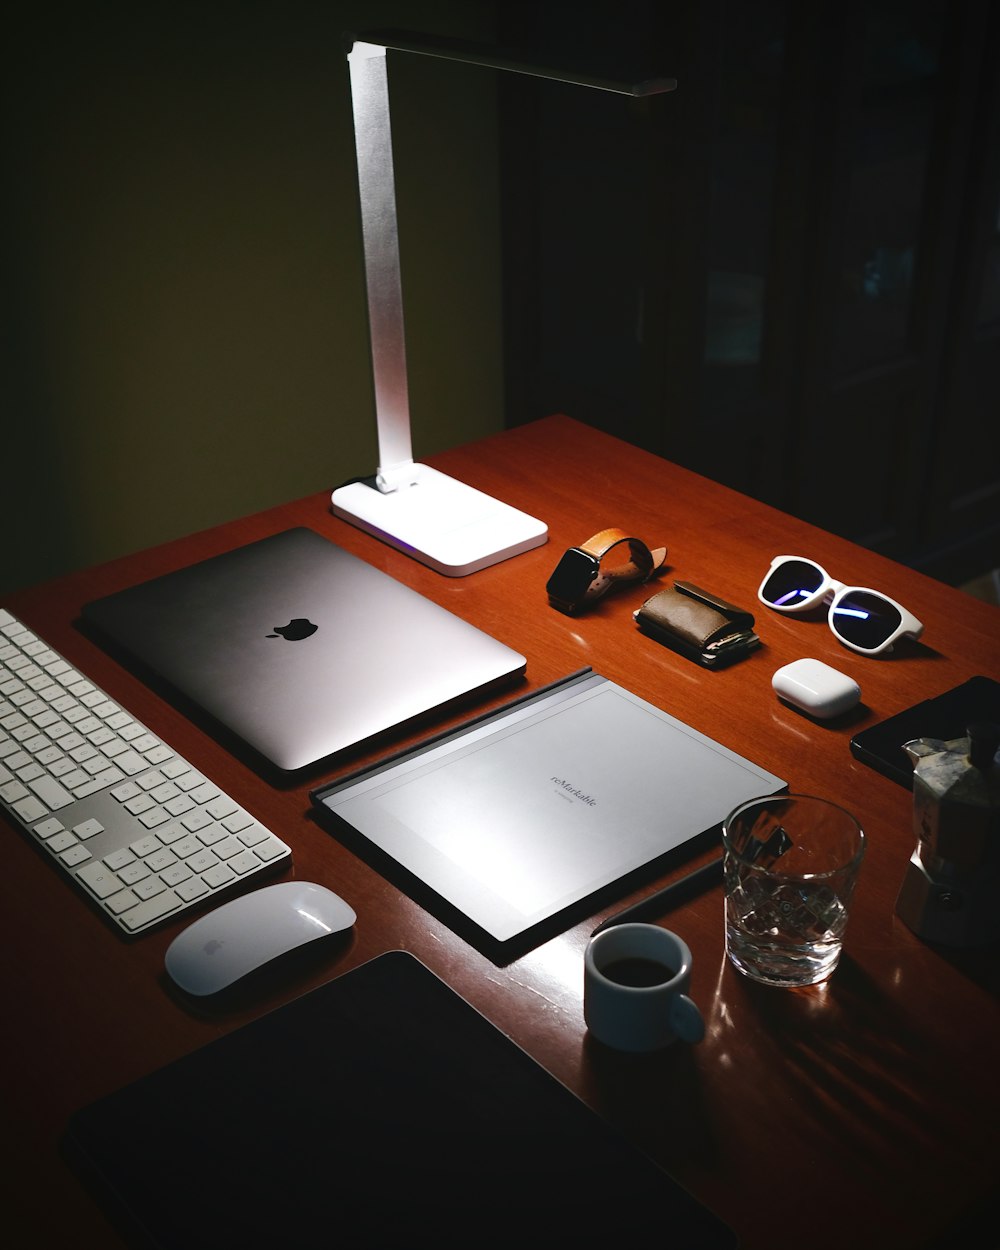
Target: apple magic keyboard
[{"x": 136, "y": 827}]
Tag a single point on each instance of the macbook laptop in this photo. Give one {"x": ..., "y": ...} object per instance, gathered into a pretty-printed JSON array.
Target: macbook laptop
[{"x": 299, "y": 648}]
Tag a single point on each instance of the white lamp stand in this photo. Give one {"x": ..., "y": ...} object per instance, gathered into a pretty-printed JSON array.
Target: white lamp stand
[{"x": 445, "y": 524}]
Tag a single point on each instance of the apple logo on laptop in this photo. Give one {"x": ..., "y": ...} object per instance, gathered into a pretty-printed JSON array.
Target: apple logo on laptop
[{"x": 296, "y": 629}]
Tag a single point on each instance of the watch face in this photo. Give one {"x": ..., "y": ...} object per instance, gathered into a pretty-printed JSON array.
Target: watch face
[{"x": 572, "y": 576}]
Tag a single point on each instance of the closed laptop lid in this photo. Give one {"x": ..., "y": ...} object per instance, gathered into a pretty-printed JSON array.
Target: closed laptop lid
[{"x": 300, "y": 648}]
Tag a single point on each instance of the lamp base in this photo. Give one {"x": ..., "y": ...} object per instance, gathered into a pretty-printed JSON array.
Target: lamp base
[{"x": 452, "y": 528}]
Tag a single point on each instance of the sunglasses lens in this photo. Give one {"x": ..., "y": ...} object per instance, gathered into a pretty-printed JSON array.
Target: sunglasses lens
[
  {"x": 791, "y": 582},
  {"x": 864, "y": 619}
]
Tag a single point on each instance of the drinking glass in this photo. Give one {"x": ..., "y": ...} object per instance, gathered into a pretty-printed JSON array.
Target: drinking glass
[{"x": 791, "y": 865}]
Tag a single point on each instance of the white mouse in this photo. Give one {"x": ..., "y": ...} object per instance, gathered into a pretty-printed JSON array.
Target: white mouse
[{"x": 248, "y": 932}]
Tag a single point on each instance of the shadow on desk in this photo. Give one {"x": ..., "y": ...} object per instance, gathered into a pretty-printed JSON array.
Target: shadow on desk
[
  {"x": 863, "y": 1084},
  {"x": 841, "y": 1043},
  {"x": 980, "y": 965},
  {"x": 624, "y": 1088}
]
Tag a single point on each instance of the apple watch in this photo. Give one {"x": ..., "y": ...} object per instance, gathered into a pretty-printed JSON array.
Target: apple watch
[{"x": 587, "y": 572}]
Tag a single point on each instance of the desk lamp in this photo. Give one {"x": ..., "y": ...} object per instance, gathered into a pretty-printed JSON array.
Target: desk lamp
[{"x": 445, "y": 524}]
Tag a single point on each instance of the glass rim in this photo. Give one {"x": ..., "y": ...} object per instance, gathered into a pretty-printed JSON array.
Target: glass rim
[{"x": 774, "y": 871}]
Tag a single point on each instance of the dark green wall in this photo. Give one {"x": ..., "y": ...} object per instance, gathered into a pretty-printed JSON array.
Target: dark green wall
[{"x": 184, "y": 328}]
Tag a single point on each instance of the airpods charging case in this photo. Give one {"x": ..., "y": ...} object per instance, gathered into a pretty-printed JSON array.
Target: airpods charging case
[{"x": 816, "y": 688}]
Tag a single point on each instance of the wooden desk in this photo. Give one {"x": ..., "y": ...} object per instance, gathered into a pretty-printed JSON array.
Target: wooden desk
[{"x": 860, "y": 1113}]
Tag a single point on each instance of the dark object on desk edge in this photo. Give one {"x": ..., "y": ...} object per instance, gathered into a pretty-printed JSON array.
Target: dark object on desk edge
[
  {"x": 382, "y": 1103},
  {"x": 945, "y": 716}
]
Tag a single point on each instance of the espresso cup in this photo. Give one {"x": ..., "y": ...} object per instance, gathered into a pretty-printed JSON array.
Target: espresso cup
[{"x": 636, "y": 978}]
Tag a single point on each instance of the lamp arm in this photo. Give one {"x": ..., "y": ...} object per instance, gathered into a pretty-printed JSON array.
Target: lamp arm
[
  {"x": 377, "y": 196},
  {"x": 495, "y": 58},
  {"x": 366, "y": 55}
]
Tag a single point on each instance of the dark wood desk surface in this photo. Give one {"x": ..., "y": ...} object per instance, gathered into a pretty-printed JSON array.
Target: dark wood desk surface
[{"x": 862, "y": 1112}]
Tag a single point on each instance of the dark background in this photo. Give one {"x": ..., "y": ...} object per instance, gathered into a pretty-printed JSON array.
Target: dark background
[
  {"x": 785, "y": 274},
  {"x": 184, "y": 335}
]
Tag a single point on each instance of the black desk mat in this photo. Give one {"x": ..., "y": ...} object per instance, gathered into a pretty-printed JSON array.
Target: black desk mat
[{"x": 378, "y": 1110}]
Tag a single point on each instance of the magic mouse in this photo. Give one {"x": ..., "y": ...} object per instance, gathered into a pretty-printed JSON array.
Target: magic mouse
[{"x": 248, "y": 932}]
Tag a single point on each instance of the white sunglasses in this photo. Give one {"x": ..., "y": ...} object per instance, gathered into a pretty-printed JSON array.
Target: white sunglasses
[{"x": 865, "y": 620}]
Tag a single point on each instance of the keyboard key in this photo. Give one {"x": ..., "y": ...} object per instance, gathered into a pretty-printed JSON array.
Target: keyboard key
[
  {"x": 13, "y": 790},
  {"x": 145, "y": 846},
  {"x": 160, "y": 860},
  {"x": 245, "y": 861},
  {"x": 271, "y": 848},
  {"x": 75, "y": 855},
  {"x": 176, "y": 873},
  {"x": 88, "y": 829},
  {"x": 100, "y": 879},
  {"x": 144, "y": 914},
  {"x": 149, "y": 887},
  {"x": 52, "y": 793},
  {"x": 220, "y": 875},
  {"x": 133, "y": 873},
  {"x": 60, "y": 842},
  {"x": 121, "y": 902},
  {"x": 119, "y": 859},
  {"x": 193, "y": 889},
  {"x": 48, "y": 827},
  {"x": 30, "y": 809},
  {"x": 202, "y": 861}
]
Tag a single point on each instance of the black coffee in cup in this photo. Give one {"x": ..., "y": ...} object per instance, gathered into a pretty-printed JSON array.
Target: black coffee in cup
[
  {"x": 636, "y": 972},
  {"x": 635, "y": 985}
]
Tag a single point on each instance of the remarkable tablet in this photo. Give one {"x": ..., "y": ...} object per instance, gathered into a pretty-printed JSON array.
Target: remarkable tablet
[{"x": 536, "y": 807}]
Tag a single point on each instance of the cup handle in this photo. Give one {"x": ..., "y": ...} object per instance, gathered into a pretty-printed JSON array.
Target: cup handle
[{"x": 685, "y": 1019}]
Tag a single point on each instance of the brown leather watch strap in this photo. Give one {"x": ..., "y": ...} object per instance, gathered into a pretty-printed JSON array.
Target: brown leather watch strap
[{"x": 641, "y": 564}]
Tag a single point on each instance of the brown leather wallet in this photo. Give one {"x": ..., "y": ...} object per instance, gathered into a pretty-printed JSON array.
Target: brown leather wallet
[{"x": 699, "y": 625}]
